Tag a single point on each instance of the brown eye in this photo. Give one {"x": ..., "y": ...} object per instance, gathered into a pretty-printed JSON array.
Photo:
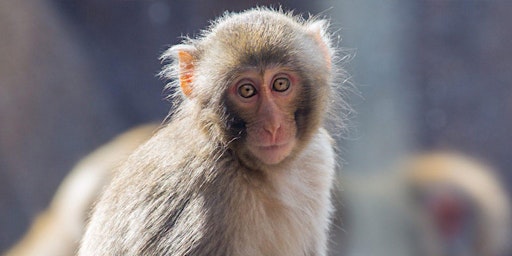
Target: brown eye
[
  {"x": 281, "y": 84},
  {"x": 246, "y": 90}
]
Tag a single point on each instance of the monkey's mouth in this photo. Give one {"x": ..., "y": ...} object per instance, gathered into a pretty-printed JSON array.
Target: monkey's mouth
[
  {"x": 274, "y": 147},
  {"x": 274, "y": 153}
]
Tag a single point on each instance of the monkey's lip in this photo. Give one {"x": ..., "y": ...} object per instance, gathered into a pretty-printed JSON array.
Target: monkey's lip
[
  {"x": 274, "y": 146},
  {"x": 273, "y": 153}
]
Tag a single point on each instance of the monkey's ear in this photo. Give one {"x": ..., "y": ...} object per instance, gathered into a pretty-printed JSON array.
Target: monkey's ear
[
  {"x": 318, "y": 29},
  {"x": 186, "y": 71},
  {"x": 183, "y": 54}
]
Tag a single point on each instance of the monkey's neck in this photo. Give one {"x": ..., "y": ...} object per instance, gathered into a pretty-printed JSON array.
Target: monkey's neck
[{"x": 286, "y": 210}]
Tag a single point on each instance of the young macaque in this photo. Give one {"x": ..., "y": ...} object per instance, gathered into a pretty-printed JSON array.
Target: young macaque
[
  {"x": 58, "y": 230},
  {"x": 461, "y": 206},
  {"x": 244, "y": 166}
]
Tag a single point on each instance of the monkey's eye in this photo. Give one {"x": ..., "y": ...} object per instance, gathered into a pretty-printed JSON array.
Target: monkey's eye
[
  {"x": 246, "y": 90},
  {"x": 281, "y": 84}
]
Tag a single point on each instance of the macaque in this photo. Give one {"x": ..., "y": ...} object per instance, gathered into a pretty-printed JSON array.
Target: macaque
[
  {"x": 432, "y": 204},
  {"x": 58, "y": 230},
  {"x": 461, "y": 207},
  {"x": 244, "y": 166}
]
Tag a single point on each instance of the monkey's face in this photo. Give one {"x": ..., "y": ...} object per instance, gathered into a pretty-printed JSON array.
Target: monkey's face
[
  {"x": 266, "y": 100},
  {"x": 262, "y": 83}
]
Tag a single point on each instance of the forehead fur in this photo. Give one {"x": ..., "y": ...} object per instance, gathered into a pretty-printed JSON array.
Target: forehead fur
[
  {"x": 254, "y": 29},
  {"x": 256, "y": 38}
]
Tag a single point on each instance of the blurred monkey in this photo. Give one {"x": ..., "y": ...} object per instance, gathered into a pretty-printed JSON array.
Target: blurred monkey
[
  {"x": 58, "y": 230},
  {"x": 435, "y": 204},
  {"x": 460, "y": 206},
  {"x": 244, "y": 166}
]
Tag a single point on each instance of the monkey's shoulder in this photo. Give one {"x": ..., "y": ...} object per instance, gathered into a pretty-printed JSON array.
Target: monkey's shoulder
[
  {"x": 167, "y": 195},
  {"x": 319, "y": 154}
]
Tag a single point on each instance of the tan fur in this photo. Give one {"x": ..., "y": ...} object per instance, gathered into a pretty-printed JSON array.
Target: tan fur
[
  {"x": 57, "y": 231},
  {"x": 208, "y": 183}
]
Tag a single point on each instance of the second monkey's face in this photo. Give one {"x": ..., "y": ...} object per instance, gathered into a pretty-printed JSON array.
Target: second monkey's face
[{"x": 265, "y": 101}]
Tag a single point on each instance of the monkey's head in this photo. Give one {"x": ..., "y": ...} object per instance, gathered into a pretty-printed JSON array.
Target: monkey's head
[
  {"x": 463, "y": 201},
  {"x": 259, "y": 82}
]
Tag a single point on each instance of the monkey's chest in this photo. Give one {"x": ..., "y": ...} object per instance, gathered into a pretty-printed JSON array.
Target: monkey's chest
[{"x": 290, "y": 221}]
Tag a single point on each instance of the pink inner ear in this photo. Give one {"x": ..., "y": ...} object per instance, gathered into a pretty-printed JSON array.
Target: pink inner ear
[{"x": 186, "y": 69}]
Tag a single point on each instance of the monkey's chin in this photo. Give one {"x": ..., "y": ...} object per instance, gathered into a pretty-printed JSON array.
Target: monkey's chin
[{"x": 273, "y": 154}]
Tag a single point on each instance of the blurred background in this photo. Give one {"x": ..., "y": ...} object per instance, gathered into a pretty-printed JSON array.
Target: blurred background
[{"x": 429, "y": 75}]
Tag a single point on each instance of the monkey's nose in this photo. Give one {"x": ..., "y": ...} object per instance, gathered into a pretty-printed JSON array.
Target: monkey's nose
[{"x": 272, "y": 128}]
